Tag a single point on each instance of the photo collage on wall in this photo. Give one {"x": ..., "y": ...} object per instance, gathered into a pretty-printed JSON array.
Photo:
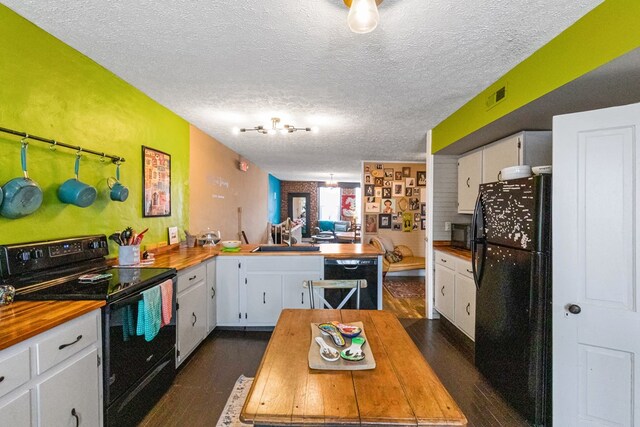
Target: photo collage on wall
[{"x": 394, "y": 197}]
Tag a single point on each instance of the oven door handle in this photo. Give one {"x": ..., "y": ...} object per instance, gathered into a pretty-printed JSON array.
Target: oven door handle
[{"x": 131, "y": 299}]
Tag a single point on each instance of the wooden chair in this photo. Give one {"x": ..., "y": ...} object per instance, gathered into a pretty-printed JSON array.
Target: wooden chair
[{"x": 354, "y": 285}]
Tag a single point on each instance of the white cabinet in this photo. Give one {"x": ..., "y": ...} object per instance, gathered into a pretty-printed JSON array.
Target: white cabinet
[
  {"x": 228, "y": 292},
  {"x": 252, "y": 290},
  {"x": 483, "y": 165},
  {"x": 55, "y": 378},
  {"x": 455, "y": 291},
  {"x": 191, "y": 310},
  {"x": 469, "y": 178},
  {"x": 444, "y": 290},
  {"x": 64, "y": 403},
  {"x": 212, "y": 297},
  {"x": 264, "y": 297}
]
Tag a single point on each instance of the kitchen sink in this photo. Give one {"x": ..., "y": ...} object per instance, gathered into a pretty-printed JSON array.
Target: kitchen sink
[{"x": 281, "y": 248}]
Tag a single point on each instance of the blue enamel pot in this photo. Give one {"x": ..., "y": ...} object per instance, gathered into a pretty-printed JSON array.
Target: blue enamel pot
[
  {"x": 22, "y": 196},
  {"x": 75, "y": 192}
]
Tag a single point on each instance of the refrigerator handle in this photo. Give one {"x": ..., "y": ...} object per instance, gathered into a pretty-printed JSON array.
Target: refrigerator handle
[{"x": 475, "y": 242}]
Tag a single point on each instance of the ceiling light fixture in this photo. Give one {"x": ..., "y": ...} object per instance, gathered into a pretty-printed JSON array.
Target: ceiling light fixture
[
  {"x": 363, "y": 15},
  {"x": 275, "y": 129},
  {"x": 331, "y": 183}
]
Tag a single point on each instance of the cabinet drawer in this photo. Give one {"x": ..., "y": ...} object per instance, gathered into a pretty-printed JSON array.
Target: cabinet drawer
[
  {"x": 464, "y": 267},
  {"x": 190, "y": 277},
  {"x": 14, "y": 371},
  {"x": 445, "y": 260},
  {"x": 65, "y": 341}
]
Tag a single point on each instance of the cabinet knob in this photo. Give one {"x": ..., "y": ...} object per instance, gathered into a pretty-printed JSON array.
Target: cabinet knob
[
  {"x": 195, "y": 319},
  {"x": 468, "y": 308},
  {"x": 468, "y": 185},
  {"x": 442, "y": 291}
]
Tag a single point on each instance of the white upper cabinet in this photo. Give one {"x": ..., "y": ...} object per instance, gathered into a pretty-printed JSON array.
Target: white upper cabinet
[
  {"x": 469, "y": 177},
  {"x": 484, "y": 165}
]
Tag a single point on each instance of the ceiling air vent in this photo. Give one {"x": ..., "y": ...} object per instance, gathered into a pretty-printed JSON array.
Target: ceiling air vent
[{"x": 496, "y": 97}]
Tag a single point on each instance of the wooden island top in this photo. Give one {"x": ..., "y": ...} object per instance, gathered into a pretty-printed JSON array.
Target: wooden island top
[
  {"x": 183, "y": 257},
  {"x": 401, "y": 390},
  {"x": 25, "y": 319}
]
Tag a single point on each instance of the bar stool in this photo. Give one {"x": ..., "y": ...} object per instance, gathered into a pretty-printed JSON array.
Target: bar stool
[{"x": 354, "y": 285}]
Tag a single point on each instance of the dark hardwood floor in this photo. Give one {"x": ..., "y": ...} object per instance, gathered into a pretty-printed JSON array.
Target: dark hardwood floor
[{"x": 206, "y": 379}]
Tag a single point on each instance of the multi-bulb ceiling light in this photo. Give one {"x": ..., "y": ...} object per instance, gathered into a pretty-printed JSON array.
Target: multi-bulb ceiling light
[
  {"x": 363, "y": 15},
  {"x": 285, "y": 129}
]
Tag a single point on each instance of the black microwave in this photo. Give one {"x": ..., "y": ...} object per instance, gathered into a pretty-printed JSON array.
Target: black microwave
[{"x": 461, "y": 236}]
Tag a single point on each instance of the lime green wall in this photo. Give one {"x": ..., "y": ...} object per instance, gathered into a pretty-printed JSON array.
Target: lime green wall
[
  {"x": 51, "y": 90},
  {"x": 607, "y": 32}
]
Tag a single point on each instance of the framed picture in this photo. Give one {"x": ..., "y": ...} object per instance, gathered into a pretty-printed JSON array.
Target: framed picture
[
  {"x": 371, "y": 199},
  {"x": 394, "y": 218},
  {"x": 406, "y": 171},
  {"x": 398, "y": 189},
  {"x": 367, "y": 178},
  {"x": 378, "y": 182},
  {"x": 156, "y": 183},
  {"x": 416, "y": 218},
  {"x": 379, "y": 166},
  {"x": 369, "y": 190},
  {"x": 372, "y": 207},
  {"x": 423, "y": 224},
  {"x": 387, "y": 183},
  {"x": 367, "y": 169},
  {"x": 423, "y": 209},
  {"x": 378, "y": 192},
  {"x": 416, "y": 225},
  {"x": 388, "y": 173},
  {"x": 414, "y": 204},
  {"x": 397, "y": 226},
  {"x": 416, "y": 192},
  {"x": 408, "y": 191},
  {"x": 407, "y": 222},
  {"x": 410, "y": 182},
  {"x": 402, "y": 204},
  {"x": 388, "y": 206},
  {"x": 371, "y": 223},
  {"x": 398, "y": 176},
  {"x": 421, "y": 178},
  {"x": 384, "y": 221},
  {"x": 386, "y": 192},
  {"x": 173, "y": 235}
]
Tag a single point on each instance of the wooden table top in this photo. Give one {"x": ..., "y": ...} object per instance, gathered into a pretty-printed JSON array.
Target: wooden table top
[
  {"x": 25, "y": 319},
  {"x": 401, "y": 390}
]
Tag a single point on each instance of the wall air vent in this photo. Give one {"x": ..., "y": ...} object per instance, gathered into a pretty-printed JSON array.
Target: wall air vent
[{"x": 496, "y": 97}]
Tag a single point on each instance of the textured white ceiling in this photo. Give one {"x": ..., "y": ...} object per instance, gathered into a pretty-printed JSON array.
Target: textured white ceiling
[{"x": 226, "y": 63}]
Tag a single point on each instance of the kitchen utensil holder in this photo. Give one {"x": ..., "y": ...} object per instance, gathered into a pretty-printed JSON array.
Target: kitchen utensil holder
[{"x": 129, "y": 255}]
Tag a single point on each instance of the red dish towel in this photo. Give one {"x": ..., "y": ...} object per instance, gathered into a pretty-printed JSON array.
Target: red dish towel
[{"x": 166, "y": 290}]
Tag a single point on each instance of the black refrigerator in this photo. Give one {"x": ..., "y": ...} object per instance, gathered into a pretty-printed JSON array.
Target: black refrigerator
[{"x": 511, "y": 258}]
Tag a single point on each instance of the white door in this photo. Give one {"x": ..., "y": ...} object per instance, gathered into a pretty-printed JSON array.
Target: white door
[
  {"x": 596, "y": 268},
  {"x": 264, "y": 298},
  {"x": 444, "y": 282},
  {"x": 192, "y": 319},
  {"x": 227, "y": 295}
]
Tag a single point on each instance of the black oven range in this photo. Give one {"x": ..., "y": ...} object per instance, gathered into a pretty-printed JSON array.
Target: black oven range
[{"x": 136, "y": 372}]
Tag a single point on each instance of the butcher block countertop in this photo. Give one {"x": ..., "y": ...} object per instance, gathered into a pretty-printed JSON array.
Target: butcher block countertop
[
  {"x": 446, "y": 247},
  {"x": 25, "y": 319},
  {"x": 183, "y": 257}
]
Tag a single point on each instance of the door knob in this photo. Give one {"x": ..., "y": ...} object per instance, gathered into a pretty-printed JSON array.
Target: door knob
[{"x": 574, "y": 308}]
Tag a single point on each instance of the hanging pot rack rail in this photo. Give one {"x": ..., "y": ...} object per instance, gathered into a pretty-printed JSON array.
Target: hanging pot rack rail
[{"x": 54, "y": 143}]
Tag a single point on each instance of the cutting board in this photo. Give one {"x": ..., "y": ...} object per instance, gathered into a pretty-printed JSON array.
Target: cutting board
[{"x": 317, "y": 362}]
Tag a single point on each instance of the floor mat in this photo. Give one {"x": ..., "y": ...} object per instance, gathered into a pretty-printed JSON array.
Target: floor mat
[
  {"x": 406, "y": 287},
  {"x": 230, "y": 416}
]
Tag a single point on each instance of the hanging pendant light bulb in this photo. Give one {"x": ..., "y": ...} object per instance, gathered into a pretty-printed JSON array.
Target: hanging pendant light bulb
[{"x": 363, "y": 15}]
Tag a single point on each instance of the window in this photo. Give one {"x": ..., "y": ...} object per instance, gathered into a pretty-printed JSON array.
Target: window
[{"x": 329, "y": 204}]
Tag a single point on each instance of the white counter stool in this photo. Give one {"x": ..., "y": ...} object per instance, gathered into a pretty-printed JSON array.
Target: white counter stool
[{"x": 354, "y": 285}]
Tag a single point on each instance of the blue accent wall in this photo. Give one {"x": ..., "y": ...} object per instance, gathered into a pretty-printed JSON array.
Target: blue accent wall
[{"x": 275, "y": 199}]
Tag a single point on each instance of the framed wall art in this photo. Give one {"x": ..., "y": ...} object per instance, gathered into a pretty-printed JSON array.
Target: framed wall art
[
  {"x": 156, "y": 183},
  {"x": 384, "y": 221},
  {"x": 421, "y": 178}
]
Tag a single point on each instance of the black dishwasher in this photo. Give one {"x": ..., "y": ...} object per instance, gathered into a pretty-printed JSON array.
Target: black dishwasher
[{"x": 351, "y": 269}]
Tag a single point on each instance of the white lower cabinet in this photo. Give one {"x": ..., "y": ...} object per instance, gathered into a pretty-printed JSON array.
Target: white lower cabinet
[
  {"x": 455, "y": 291},
  {"x": 55, "y": 378},
  {"x": 211, "y": 293},
  {"x": 191, "y": 310},
  {"x": 253, "y": 290},
  {"x": 64, "y": 403}
]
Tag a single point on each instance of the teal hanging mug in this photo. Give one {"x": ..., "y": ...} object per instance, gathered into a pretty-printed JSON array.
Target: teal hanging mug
[
  {"x": 75, "y": 192},
  {"x": 118, "y": 193}
]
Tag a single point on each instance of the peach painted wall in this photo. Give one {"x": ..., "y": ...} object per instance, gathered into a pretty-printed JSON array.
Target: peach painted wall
[{"x": 218, "y": 188}]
